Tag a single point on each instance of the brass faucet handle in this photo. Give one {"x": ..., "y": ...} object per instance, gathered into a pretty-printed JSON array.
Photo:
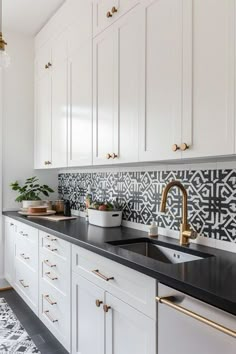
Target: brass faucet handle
[{"x": 190, "y": 234}]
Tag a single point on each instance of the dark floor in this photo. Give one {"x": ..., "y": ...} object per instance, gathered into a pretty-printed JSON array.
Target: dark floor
[{"x": 42, "y": 337}]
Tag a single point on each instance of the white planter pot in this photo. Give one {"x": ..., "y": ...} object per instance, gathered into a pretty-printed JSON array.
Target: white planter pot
[{"x": 28, "y": 203}]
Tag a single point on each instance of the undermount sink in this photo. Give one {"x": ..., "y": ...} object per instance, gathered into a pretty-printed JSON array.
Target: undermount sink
[{"x": 159, "y": 252}]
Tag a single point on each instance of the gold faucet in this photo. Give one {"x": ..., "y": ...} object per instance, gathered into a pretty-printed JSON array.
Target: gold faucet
[{"x": 185, "y": 231}]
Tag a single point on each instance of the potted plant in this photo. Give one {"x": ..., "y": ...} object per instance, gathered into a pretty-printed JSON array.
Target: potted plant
[{"x": 30, "y": 192}]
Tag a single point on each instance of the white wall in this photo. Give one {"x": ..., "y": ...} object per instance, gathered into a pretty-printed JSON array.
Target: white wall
[{"x": 18, "y": 121}]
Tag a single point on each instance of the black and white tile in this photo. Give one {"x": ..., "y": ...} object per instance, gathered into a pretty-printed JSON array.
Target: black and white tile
[
  {"x": 13, "y": 336},
  {"x": 211, "y": 196}
]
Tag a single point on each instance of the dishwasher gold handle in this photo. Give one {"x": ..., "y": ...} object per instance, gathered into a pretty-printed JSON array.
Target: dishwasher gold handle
[{"x": 167, "y": 301}]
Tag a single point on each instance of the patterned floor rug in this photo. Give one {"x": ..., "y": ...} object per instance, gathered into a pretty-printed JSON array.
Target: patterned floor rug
[{"x": 13, "y": 337}]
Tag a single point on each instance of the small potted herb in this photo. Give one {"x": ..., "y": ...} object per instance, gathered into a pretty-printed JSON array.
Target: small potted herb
[{"x": 30, "y": 193}]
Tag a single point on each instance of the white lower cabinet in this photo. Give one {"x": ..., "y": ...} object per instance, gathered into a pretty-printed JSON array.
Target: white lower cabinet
[
  {"x": 9, "y": 265},
  {"x": 54, "y": 286},
  {"x": 180, "y": 333},
  {"x": 101, "y": 323},
  {"x": 115, "y": 303},
  {"x": 88, "y": 317}
]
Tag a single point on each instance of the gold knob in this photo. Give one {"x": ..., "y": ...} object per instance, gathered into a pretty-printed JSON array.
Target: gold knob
[
  {"x": 49, "y": 64},
  {"x": 108, "y": 156},
  {"x": 109, "y": 14},
  {"x": 46, "y": 66},
  {"x": 175, "y": 147},
  {"x": 98, "y": 303},
  {"x": 45, "y": 162},
  {"x": 106, "y": 308},
  {"x": 114, "y": 9},
  {"x": 49, "y": 163},
  {"x": 114, "y": 155},
  {"x": 184, "y": 147}
]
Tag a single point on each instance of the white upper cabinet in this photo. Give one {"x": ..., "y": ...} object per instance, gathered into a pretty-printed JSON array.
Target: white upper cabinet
[
  {"x": 80, "y": 88},
  {"x": 117, "y": 67},
  {"x": 59, "y": 101},
  {"x": 105, "y": 12},
  {"x": 160, "y": 119},
  {"x": 43, "y": 112},
  {"x": 211, "y": 69}
]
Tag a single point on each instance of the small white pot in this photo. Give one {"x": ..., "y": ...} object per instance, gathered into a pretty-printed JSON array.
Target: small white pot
[{"x": 28, "y": 203}]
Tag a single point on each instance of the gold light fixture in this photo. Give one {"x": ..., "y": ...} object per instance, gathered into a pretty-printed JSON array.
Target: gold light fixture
[{"x": 4, "y": 57}]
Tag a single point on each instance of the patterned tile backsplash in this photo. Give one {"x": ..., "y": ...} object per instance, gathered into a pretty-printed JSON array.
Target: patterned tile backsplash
[{"x": 211, "y": 197}]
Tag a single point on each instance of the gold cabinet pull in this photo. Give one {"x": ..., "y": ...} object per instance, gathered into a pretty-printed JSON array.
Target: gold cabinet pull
[
  {"x": 175, "y": 147},
  {"x": 184, "y": 147},
  {"x": 100, "y": 275},
  {"x": 50, "y": 276},
  {"x": 50, "y": 317},
  {"x": 47, "y": 298},
  {"x": 45, "y": 163},
  {"x": 46, "y": 261},
  {"x": 50, "y": 248},
  {"x": 109, "y": 14},
  {"x": 23, "y": 234},
  {"x": 49, "y": 64},
  {"x": 98, "y": 302},
  {"x": 106, "y": 308},
  {"x": 108, "y": 156},
  {"x": 46, "y": 66},
  {"x": 114, "y": 10},
  {"x": 22, "y": 283},
  {"x": 50, "y": 238},
  {"x": 114, "y": 156},
  {"x": 24, "y": 256},
  {"x": 167, "y": 301}
]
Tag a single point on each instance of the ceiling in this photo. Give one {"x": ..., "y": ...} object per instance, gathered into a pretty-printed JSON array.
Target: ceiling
[{"x": 28, "y": 16}]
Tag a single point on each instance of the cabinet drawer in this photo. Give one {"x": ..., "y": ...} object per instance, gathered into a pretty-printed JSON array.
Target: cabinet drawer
[
  {"x": 54, "y": 245},
  {"x": 26, "y": 284},
  {"x": 27, "y": 252},
  {"x": 132, "y": 287},
  {"x": 115, "y": 9},
  {"x": 27, "y": 233},
  {"x": 54, "y": 312},
  {"x": 55, "y": 271}
]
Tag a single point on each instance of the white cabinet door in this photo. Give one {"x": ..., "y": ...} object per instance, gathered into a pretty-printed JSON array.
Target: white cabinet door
[
  {"x": 103, "y": 97},
  {"x": 106, "y": 12},
  {"x": 9, "y": 256},
  {"x": 211, "y": 23},
  {"x": 178, "y": 333},
  {"x": 59, "y": 101},
  {"x": 160, "y": 120},
  {"x": 88, "y": 320},
  {"x": 128, "y": 330},
  {"x": 43, "y": 116},
  {"x": 80, "y": 109},
  {"x": 127, "y": 91}
]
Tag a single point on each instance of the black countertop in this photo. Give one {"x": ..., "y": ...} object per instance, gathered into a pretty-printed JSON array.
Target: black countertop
[{"x": 211, "y": 279}]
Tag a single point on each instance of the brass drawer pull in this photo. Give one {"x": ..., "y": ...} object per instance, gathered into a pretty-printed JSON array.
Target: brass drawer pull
[
  {"x": 49, "y": 316},
  {"x": 108, "y": 156},
  {"x": 184, "y": 147},
  {"x": 98, "y": 303},
  {"x": 23, "y": 234},
  {"x": 24, "y": 257},
  {"x": 50, "y": 248},
  {"x": 50, "y": 238},
  {"x": 175, "y": 147},
  {"x": 100, "y": 275},
  {"x": 46, "y": 261},
  {"x": 109, "y": 14},
  {"x": 114, "y": 156},
  {"x": 114, "y": 10},
  {"x": 22, "y": 283},
  {"x": 106, "y": 308},
  {"x": 50, "y": 276},
  {"x": 47, "y": 298},
  {"x": 167, "y": 301}
]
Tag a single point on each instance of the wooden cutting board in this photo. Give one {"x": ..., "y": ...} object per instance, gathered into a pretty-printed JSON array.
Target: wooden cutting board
[{"x": 53, "y": 217}]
